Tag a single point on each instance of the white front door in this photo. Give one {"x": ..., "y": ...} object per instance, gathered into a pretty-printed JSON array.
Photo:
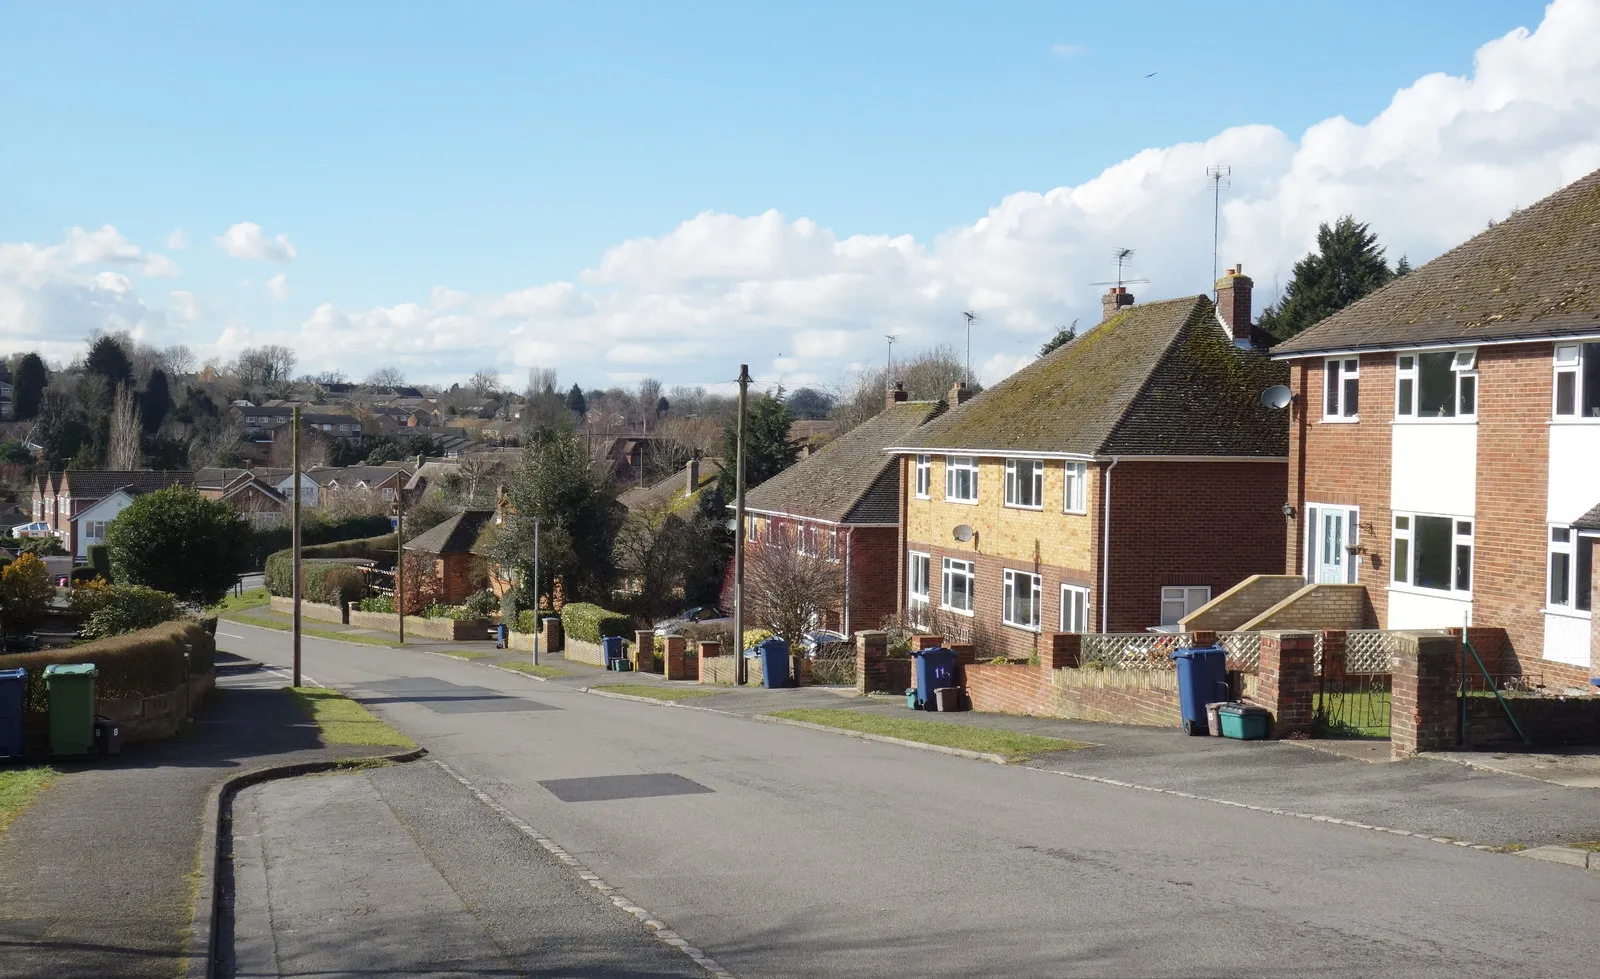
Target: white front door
[{"x": 1331, "y": 529}]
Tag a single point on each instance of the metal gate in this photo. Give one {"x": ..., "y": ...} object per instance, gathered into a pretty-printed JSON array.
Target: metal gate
[{"x": 1353, "y": 697}]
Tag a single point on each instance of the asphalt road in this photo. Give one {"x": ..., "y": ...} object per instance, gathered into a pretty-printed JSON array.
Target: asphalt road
[{"x": 787, "y": 852}]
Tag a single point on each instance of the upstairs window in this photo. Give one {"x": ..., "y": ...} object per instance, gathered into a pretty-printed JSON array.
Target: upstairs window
[
  {"x": 1441, "y": 384},
  {"x": 1077, "y": 482},
  {"x": 1341, "y": 388},
  {"x": 1570, "y": 569},
  {"x": 1025, "y": 483},
  {"x": 1577, "y": 387},
  {"x": 924, "y": 477},
  {"x": 961, "y": 479}
]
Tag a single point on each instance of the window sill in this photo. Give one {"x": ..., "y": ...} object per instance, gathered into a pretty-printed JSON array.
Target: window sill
[
  {"x": 1342, "y": 420},
  {"x": 967, "y": 612},
  {"x": 1019, "y": 506},
  {"x": 1077, "y": 513},
  {"x": 1408, "y": 420},
  {"x": 961, "y": 502},
  {"x": 1563, "y": 612},
  {"x": 1455, "y": 596},
  {"x": 1576, "y": 421},
  {"x": 1023, "y": 628},
  {"x": 922, "y": 496}
]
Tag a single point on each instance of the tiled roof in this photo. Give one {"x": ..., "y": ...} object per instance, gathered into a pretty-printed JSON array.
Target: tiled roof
[
  {"x": 96, "y": 484},
  {"x": 212, "y": 477},
  {"x": 851, "y": 479},
  {"x": 1589, "y": 521},
  {"x": 669, "y": 490},
  {"x": 1535, "y": 274},
  {"x": 454, "y": 536},
  {"x": 1162, "y": 378}
]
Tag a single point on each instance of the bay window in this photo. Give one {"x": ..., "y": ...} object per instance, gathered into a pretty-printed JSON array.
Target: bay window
[
  {"x": 1020, "y": 600},
  {"x": 961, "y": 479},
  {"x": 1025, "y": 483}
]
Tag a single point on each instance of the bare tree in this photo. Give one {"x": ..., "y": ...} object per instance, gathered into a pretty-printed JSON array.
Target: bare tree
[
  {"x": 541, "y": 380},
  {"x": 928, "y": 376},
  {"x": 259, "y": 366},
  {"x": 485, "y": 382},
  {"x": 386, "y": 377},
  {"x": 477, "y": 478},
  {"x": 122, "y": 444},
  {"x": 180, "y": 360},
  {"x": 787, "y": 592}
]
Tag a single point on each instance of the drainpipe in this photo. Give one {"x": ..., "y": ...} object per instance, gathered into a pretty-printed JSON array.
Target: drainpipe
[
  {"x": 1105, "y": 545},
  {"x": 848, "y": 536}
]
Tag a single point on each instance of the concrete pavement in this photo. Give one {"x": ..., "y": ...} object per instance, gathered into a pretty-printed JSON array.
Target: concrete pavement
[{"x": 789, "y": 852}]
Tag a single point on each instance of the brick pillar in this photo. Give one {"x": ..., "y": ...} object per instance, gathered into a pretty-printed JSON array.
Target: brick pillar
[
  {"x": 926, "y": 642},
  {"x": 674, "y": 664},
  {"x": 1063, "y": 650},
  {"x": 644, "y": 651},
  {"x": 1203, "y": 637},
  {"x": 1422, "y": 709},
  {"x": 554, "y": 639},
  {"x": 708, "y": 651},
  {"x": 872, "y": 654},
  {"x": 966, "y": 653},
  {"x": 1286, "y": 681}
]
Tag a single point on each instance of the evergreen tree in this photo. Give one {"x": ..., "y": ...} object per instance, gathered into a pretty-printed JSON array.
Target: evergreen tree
[
  {"x": 156, "y": 400},
  {"x": 576, "y": 402},
  {"x": 578, "y": 518},
  {"x": 1347, "y": 264},
  {"x": 110, "y": 361},
  {"x": 767, "y": 450},
  {"x": 1064, "y": 335},
  {"x": 1402, "y": 267},
  {"x": 179, "y": 542},
  {"x": 28, "y": 387}
]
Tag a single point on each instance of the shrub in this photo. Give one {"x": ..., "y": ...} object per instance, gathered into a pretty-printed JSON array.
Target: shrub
[
  {"x": 117, "y": 609},
  {"x": 180, "y": 542},
  {"x": 755, "y": 637},
  {"x": 527, "y": 620},
  {"x": 382, "y": 604},
  {"x": 482, "y": 604},
  {"x": 138, "y": 664},
  {"x": 590, "y": 623},
  {"x": 315, "y": 530},
  {"x": 26, "y": 589},
  {"x": 82, "y": 576},
  {"x": 332, "y": 582},
  {"x": 100, "y": 560},
  {"x": 458, "y": 613}
]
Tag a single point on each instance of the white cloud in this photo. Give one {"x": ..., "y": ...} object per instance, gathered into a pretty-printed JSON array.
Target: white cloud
[
  {"x": 159, "y": 267},
  {"x": 278, "y": 287},
  {"x": 247, "y": 240},
  {"x": 184, "y": 305},
  {"x": 688, "y": 306},
  {"x": 178, "y": 240},
  {"x": 1068, "y": 50}
]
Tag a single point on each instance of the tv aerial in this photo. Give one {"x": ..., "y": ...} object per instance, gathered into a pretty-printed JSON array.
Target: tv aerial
[{"x": 1124, "y": 257}]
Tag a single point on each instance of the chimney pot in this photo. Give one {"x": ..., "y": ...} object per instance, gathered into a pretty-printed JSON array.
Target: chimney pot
[
  {"x": 694, "y": 474},
  {"x": 1116, "y": 299},
  {"x": 959, "y": 393},
  {"x": 896, "y": 394},
  {"x": 1234, "y": 303}
]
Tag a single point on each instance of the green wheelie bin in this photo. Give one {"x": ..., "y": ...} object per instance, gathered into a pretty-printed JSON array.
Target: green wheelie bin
[{"x": 71, "y": 690}]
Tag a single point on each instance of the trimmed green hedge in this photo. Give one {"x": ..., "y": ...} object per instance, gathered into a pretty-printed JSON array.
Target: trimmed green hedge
[
  {"x": 78, "y": 576},
  {"x": 115, "y": 610},
  {"x": 139, "y": 664},
  {"x": 329, "y": 582},
  {"x": 313, "y": 530},
  {"x": 280, "y": 565},
  {"x": 581, "y": 620},
  {"x": 100, "y": 560}
]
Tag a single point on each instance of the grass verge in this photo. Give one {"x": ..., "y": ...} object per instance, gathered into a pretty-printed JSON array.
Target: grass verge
[
  {"x": 1010, "y": 744},
  {"x": 1593, "y": 846},
  {"x": 534, "y": 669},
  {"x": 252, "y": 598},
  {"x": 343, "y": 721},
  {"x": 18, "y": 786},
  {"x": 656, "y": 693},
  {"x": 467, "y": 654},
  {"x": 257, "y": 620}
]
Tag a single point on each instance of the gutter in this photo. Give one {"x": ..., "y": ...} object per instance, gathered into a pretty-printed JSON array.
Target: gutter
[
  {"x": 1105, "y": 546},
  {"x": 1458, "y": 343}
]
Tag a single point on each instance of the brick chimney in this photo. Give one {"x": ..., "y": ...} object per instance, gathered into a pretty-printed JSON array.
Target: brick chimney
[
  {"x": 1116, "y": 299},
  {"x": 1233, "y": 303},
  {"x": 895, "y": 395},
  {"x": 959, "y": 393},
  {"x": 693, "y": 482}
]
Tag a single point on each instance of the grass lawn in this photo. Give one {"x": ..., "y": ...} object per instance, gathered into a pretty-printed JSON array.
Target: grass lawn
[
  {"x": 465, "y": 653},
  {"x": 18, "y": 786},
  {"x": 656, "y": 693},
  {"x": 1593, "y": 846},
  {"x": 257, "y": 620},
  {"x": 548, "y": 672},
  {"x": 253, "y": 598},
  {"x": 1354, "y": 714},
  {"x": 343, "y": 721},
  {"x": 1010, "y": 744}
]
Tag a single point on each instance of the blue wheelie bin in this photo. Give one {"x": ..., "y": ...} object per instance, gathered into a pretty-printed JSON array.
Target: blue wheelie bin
[
  {"x": 12, "y": 684},
  {"x": 936, "y": 668},
  {"x": 774, "y": 662},
  {"x": 1202, "y": 679},
  {"x": 611, "y": 649}
]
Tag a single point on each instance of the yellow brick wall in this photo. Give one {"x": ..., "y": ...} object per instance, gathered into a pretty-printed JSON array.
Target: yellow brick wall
[{"x": 1064, "y": 540}]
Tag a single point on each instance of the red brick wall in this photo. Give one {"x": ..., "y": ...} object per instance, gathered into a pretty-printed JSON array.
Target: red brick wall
[
  {"x": 1186, "y": 523},
  {"x": 1033, "y": 690},
  {"x": 1509, "y": 549},
  {"x": 1345, "y": 464},
  {"x": 984, "y": 629}
]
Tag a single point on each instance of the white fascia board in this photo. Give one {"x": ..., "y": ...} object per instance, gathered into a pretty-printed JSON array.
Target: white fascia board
[
  {"x": 1460, "y": 344},
  {"x": 996, "y": 453}
]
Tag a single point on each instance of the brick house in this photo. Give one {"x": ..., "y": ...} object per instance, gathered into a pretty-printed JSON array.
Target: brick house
[
  {"x": 1445, "y": 443},
  {"x": 1113, "y": 485},
  {"x": 448, "y": 552},
  {"x": 79, "y": 503},
  {"x": 841, "y": 503}
]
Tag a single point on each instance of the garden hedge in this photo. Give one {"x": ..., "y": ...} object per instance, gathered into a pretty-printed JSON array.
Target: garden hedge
[
  {"x": 137, "y": 664},
  {"x": 581, "y": 620},
  {"x": 329, "y": 581},
  {"x": 314, "y": 531},
  {"x": 100, "y": 560}
]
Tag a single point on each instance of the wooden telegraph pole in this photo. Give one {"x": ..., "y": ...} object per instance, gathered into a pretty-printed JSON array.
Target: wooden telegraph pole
[
  {"x": 738, "y": 534},
  {"x": 400, "y": 559},
  {"x": 295, "y": 538}
]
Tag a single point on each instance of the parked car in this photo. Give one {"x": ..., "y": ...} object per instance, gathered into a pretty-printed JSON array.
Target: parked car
[
  {"x": 699, "y": 613},
  {"x": 25, "y": 643},
  {"x": 825, "y": 641}
]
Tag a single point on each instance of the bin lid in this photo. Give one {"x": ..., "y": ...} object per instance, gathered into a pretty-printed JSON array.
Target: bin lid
[
  {"x": 1190, "y": 652},
  {"x": 71, "y": 669},
  {"x": 1238, "y": 709},
  {"x": 17, "y": 674},
  {"x": 933, "y": 651}
]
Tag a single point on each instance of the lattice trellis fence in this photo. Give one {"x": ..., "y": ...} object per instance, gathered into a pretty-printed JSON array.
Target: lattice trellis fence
[
  {"x": 1153, "y": 650},
  {"x": 1367, "y": 651}
]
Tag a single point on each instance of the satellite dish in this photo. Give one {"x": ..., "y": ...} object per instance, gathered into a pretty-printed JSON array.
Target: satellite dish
[
  {"x": 1277, "y": 396},
  {"x": 733, "y": 523},
  {"x": 963, "y": 533}
]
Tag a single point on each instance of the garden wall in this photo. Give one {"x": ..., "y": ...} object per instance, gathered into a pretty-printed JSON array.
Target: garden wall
[
  {"x": 581, "y": 651},
  {"x": 449, "y": 630},
  {"x": 1545, "y": 720},
  {"x": 312, "y": 610}
]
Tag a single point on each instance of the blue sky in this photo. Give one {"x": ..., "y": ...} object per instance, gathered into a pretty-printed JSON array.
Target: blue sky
[{"x": 490, "y": 148}]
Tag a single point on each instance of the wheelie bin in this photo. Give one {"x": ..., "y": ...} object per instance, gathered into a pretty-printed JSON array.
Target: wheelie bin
[
  {"x": 1202, "y": 679},
  {"x": 12, "y": 685},
  {"x": 71, "y": 693}
]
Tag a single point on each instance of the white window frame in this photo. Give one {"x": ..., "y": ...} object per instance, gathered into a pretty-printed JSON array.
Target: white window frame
[
  {"x": 1408, "y": 371},
  {"x": 1184, "y": 596},
  {"x": 953, "y": 465},
  {"x": 916, "y": 560},
  {"x": 1017, "y": 477},
  {"x": 1075, "y": 488},
  {"x": 949, "y": 569},
  {"x": 1074, "y": 608},
  {"x": 1572, "y": 549},
  {"x": 1341, "y": 389},
  {"x": 750, "y": 527},
  {"x": 922, "y": 480},
  {"x": 1403, "y": 572},
  {"x": 94, "y": 530},
  {"x": 1011, "y": 582},
  {"x": 1572, "y": 369}
]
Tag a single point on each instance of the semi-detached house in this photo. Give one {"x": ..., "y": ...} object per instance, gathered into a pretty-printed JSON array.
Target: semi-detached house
[
  {"x": 1445, "y": 445},
  {"x": 1113, "y": 485}
]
